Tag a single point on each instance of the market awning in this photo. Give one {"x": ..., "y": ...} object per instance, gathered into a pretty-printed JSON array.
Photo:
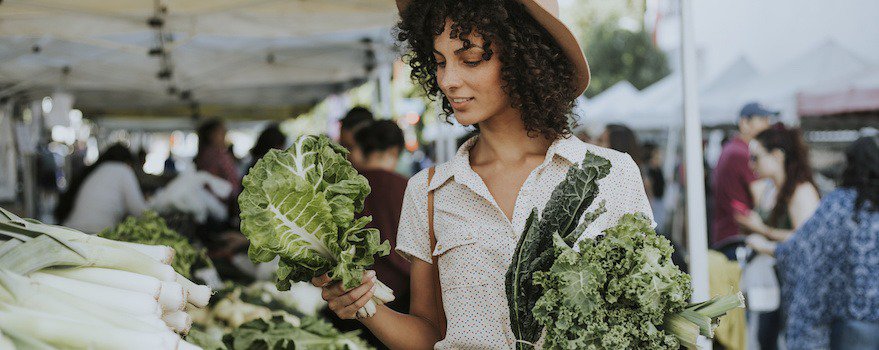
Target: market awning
[
  {"x": 856, "y": 93},
  {"x": 237, "y": 58}
]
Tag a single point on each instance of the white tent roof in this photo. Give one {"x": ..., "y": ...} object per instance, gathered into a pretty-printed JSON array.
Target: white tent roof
[
  {"x": 241, "y": 57},
  {"x": 855, "y": 93},
  {"x": 611, "y": 105},
  {"x": 777, "y": 89},
  {"x": 660, "y": 105},
  {"x": 666, "y": 108}
]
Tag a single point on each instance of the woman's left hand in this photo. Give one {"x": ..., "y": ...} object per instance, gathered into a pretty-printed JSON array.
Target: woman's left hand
[{"x": 752, "y": 222}]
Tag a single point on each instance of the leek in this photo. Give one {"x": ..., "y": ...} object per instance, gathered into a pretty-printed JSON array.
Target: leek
[
  {"x": 179, "y": 321},
  {"x": 196, "y": 294},
  {"x": 172, "y": 296},
  {"x": 123, "y": 300},
  {"x": 71, "y": 332},
  {"x": 25, "y": 292},
  {"x": 134, "y": 282}
]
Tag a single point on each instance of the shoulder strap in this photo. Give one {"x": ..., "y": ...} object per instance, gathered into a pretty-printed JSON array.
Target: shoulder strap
[{"x": 437, "y": 287}]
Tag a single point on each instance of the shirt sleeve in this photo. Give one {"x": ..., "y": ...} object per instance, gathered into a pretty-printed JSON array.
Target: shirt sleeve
[
  {"x": 413, "y": 238},
  {"x": 631, "y": 196},
  {"x": 623, "y": 193},
  {"x": 135, "y": 204}
]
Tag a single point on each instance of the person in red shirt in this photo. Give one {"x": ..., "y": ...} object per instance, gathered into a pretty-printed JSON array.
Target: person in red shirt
[{"x": 732, "y": 177}]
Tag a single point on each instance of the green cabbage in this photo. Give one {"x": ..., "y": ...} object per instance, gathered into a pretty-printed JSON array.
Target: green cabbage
[{"x": 299, "y": 205}]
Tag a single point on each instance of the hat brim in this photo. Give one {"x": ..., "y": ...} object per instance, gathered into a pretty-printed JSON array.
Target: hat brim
[{"x": 562, "y": 35}]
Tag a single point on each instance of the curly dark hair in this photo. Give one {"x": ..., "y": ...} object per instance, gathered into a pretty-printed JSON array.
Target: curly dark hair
[
  {"x": 796, "y": 165},
  {"x": 538, "y": 76},
  {"x": 862, "y": 172}
]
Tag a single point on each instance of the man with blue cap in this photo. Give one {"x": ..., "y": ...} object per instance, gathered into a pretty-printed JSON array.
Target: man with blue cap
[{"x": 732, "y": 177}]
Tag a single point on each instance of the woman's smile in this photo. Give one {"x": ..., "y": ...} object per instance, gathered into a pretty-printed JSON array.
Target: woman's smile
[{"x": 460, "y": 103}]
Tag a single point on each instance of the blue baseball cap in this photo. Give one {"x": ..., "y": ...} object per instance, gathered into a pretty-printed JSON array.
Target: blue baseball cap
[{"x": 755, "y": 108}]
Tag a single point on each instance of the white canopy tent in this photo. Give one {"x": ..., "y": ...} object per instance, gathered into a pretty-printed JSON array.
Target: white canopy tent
[
  {"x": 858, "y": 92},
  {"x": 778, "y": 89},
  {"x": 612, "y": 105},
  {"x": 659, "y": 106},
  {"x": 240, "y": 58}
]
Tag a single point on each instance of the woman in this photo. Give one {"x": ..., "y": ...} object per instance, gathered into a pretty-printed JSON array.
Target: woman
[
  {"x": 829, "y": 266},
  {"x": 270, "y": 138},
  {"x": 780, "y": 156},
  {"x": 213, "y": 155},
  {"x": 216, "y": 158},
  {"x": 621, "y": 138},
  {"x": 103, "y": 194},
  {"x": 511, "y": 69}
]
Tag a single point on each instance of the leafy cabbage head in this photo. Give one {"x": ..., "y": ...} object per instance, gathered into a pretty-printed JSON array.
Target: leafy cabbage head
[{"x": 299, "y": 205}]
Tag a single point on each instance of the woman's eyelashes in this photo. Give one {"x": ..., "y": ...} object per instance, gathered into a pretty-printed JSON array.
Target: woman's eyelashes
[{"x": 442, "y": 64}]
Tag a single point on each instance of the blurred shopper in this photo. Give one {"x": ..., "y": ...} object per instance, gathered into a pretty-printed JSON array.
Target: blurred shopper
[
  {"x": 654, "y": 181},
  {"x": 830, "y": 266},
  {"x": 732, "y": 177},
  {"x": 103, "y": 194},
  {"x": 780, "y": 155},
  {"x": 621, "y": 138},
  {"x": 379, "y": 146},
  {"x": 270, "y": 138},
  {"x": 356, "y": 119},
  {"x": 214, "y": 157}
]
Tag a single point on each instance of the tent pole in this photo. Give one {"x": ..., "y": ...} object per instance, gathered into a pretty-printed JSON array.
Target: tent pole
[{"x": 696, "y": 216}]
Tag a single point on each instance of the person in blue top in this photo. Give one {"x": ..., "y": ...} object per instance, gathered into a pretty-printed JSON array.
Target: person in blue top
[{"x": 830, "y": 266}]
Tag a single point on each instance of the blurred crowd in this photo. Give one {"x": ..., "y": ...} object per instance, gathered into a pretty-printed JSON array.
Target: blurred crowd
[
  {"x": 807, "y": 263},
  {"x": 806, "y": 259}
]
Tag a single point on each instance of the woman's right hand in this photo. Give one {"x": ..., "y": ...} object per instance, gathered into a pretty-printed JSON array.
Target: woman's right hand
[{"x": 345, "y": 303}]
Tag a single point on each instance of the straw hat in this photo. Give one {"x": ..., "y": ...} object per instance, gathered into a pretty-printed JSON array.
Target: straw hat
[{"x": 546, "y": 12}]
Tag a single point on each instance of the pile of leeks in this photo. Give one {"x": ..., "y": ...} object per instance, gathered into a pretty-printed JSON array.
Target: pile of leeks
[{"x": 61, "y": 288}]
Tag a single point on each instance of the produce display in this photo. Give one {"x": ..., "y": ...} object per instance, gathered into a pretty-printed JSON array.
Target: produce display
[
  {"x": 151, "y": 229},
  {"x": 619, "y": 290},
  {"x": 61, "y": 288},
  {"x": 299, "y": 205},
  {"x": 261, "y": 317}
]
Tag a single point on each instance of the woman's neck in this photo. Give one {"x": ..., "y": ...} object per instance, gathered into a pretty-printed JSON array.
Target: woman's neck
[{"x": 504, "y": 138}]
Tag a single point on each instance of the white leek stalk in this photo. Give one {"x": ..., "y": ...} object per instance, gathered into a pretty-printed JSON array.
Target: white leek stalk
[
  {"x": 44, "y": 251},
  {"x": 133, "y": 302},
  {"x": 6, "y": 342},
  {"x": 134, "y": 282},
  {"x": 185, "y": 345},
  {"x": 172, "y": 296},
  {"x": 179, "y": 321},
  {"x": 33, "y": 228},
  {"x": 72, "y": 332},
  {"x": 25, "y": 292},
  {"x": 8, "y": 245},
  {"x": 198, "y": 295}
]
